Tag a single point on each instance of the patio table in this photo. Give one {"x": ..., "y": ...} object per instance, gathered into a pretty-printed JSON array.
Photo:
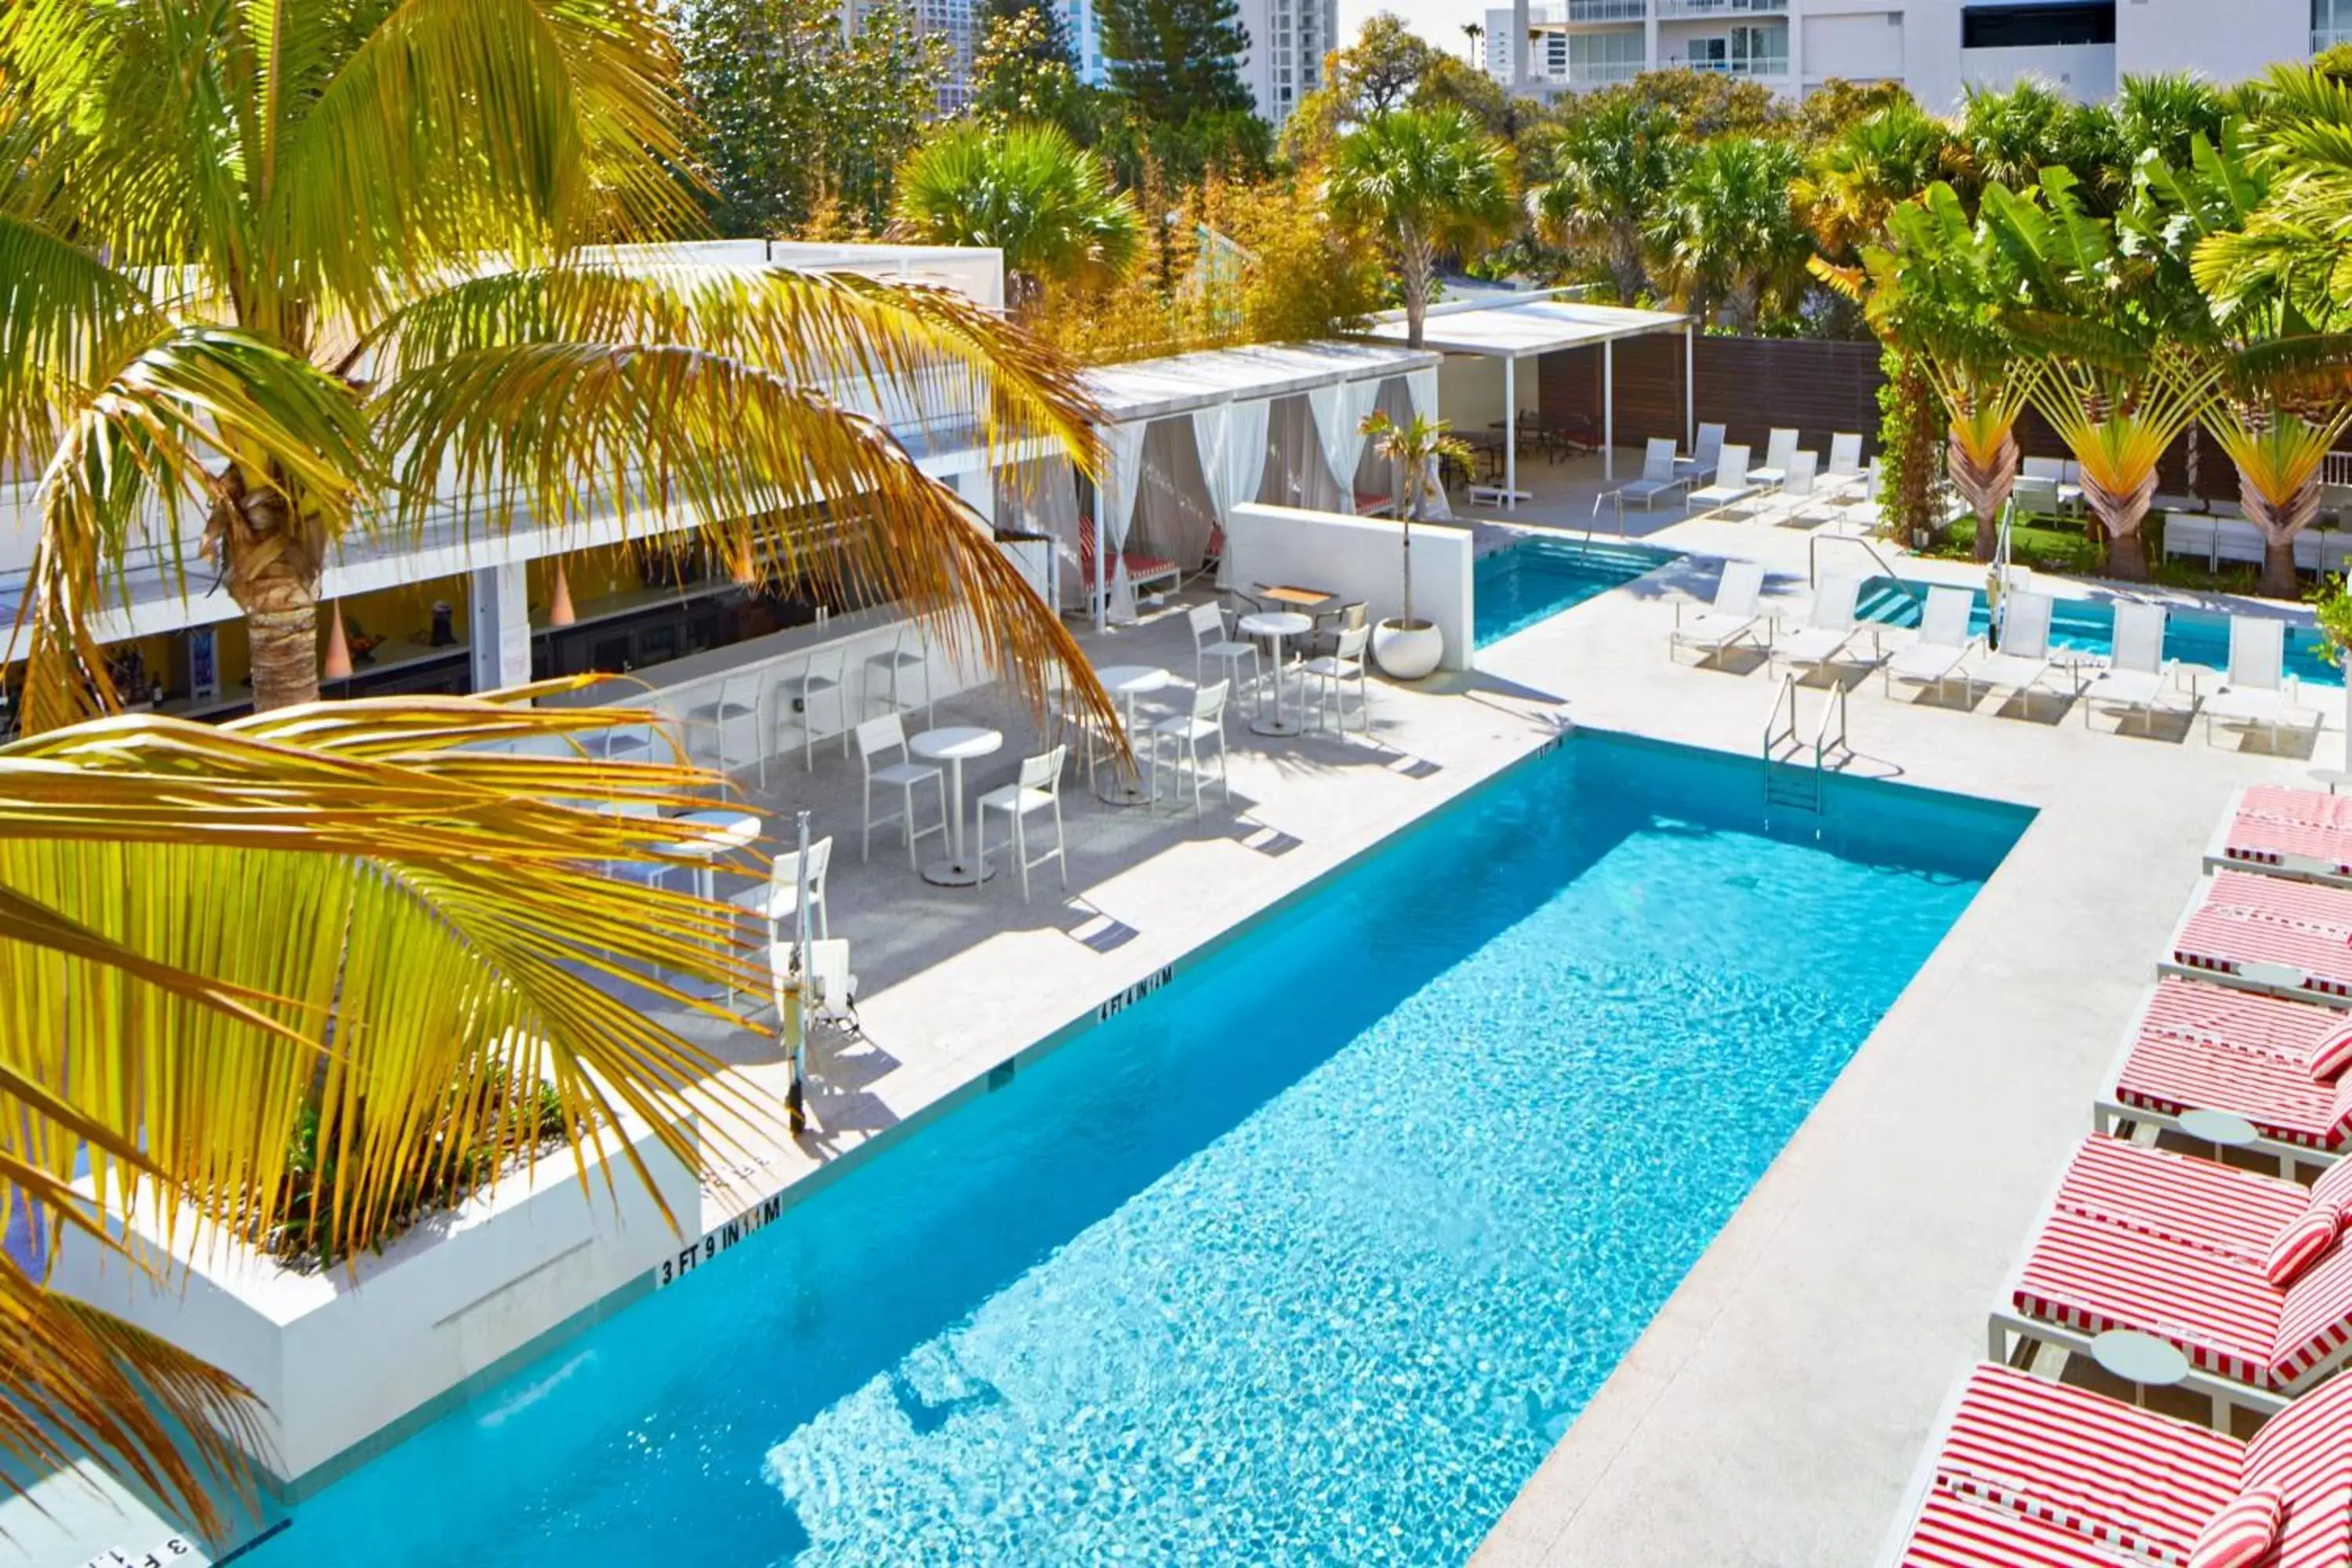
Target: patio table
[
  {"x": 953, "y": 744},
  {"x": 1126, "y": 682},
  {"x": 1275, "y": 626}
]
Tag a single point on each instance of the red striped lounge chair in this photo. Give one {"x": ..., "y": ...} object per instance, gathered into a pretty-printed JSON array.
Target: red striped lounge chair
[
  {"x": 2266, "y": 934},
  {"x": 2173, "y": 1246},
  {"x": 1141, "y": 569},
  {"x": 2029, "y": 1474},
  {"x": 2304, "y": 834},
  {"x": 2199, "y": 1047}
]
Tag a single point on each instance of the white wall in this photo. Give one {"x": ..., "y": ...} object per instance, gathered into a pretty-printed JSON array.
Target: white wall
[
  {"x": 2228, "y": 40},
  {"x": 339, "y": 1355},
  {"x": 1361, "y": 558},
  {"x": 2083, "y": 72},
  {"x": 1470, "y": 390},
  {"x": 1865, "y": 45}
]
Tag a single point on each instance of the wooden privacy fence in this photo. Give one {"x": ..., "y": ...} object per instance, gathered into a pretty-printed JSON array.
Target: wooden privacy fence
[{"x": 1822, "y": 387}]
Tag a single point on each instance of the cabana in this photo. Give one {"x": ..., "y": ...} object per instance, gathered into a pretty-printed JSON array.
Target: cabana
[
  {"x": 1539, "y": 323},
  {"x": 1189, "y": 437}
]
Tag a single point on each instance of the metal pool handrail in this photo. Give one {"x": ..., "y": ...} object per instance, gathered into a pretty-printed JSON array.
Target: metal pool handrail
[{"x": 1813, "y": 554}]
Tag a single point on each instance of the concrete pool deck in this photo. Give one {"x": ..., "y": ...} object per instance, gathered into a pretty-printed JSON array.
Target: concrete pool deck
[{"x": 1773, "y": 1410}]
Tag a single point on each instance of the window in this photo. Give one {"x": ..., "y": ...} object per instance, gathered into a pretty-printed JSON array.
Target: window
[
  {"x": 2043, "y": 25},
  {"x": 2331, "y": 24}
]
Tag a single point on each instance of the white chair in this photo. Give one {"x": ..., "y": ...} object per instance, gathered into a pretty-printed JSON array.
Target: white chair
[
  {"x": 2022, "y": 662},
  {"x": 1796, "y": 502},
  {"x": 1183, "y": 733},
  {"x": 1728, "y": 486},
  {"x": 910, "y": 654},
  {"x": 1211, "y": 640},
  {"x": 1862, "y": 517},
  {"x": 1832, "y": 624},
  {"x": 823, "y": 679},
  {"x": 1700, "y": 464},
  {"x": 1658, "y": 478},
  {"x": 1334, "y": 672},
  {"x": 1730, "y": 620},
  {"x": 737, "y": 703},
  {"x": 2137, "y": 673},
  {"x": 1845, "y": 460},
  {"x": 877, "y": 739},
  {"x": 1039, "y": 788},
  {"x": 2258, "y": 690},
  {"x": 783, "y": 889},
  {"x": 1778, "y": 448},
  {"x": 1943, "y": 645}
]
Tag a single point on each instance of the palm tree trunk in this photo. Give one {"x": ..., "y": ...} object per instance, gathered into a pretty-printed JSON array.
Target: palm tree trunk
[
  {"x": 1414, "y": 264},
  {"x": 2120, "y": 515},
  {"x": 272, "y": 572},
  {"x": 1987, "y": 487},
  {"x": 2280, "y": 523},
  {"x": 1625, "y": 261}
]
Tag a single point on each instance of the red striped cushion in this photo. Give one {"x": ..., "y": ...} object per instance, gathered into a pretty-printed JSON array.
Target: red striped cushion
[
  {"x": 2240, "y": 1534},
  {"x": 2333, "y": 1054},
  {"x": 2299, "y": 1245}
]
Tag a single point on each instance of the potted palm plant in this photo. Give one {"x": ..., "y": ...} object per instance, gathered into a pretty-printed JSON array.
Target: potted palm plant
[{"x": 1406, "y": 646}]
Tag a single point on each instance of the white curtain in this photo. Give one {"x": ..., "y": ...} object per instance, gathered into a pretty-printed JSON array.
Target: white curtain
[
  {"x": 1122, "y": 478},
  {"x": 1421, "y": 386},
  {"x": 1233, "y": 442},
  {"x": 1338, "y": 418},
  {"x": 1421, "y": 391}
]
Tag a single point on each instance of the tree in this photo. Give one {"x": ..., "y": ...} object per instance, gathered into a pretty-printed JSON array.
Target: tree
[
  {"x": 1727, "y": 239},
  {"x": 168, "y": 1048},
  {"x": 1048, "y": 205},
  {"x": 312, "y": 317},
  {"x": 1430, "y": 183},
  {"x": 792, "y": 113},
  {"x": 1418, "y": 448},
  {"x": 1388, "y": 67},
  {"x": 1476, "y": 34},
  {"x": 2008, "y": 137},
  {"x": 1829, "y": 110},
  {"x": 1861, "y": 173},
  {"x": 1704, "y": 104},
  {"x": 2164, "y": 114},
  {"x": 1611, "y": 169},
  {"x": 1170, "y": 59},
  {"x": 1018, "y": 75}
]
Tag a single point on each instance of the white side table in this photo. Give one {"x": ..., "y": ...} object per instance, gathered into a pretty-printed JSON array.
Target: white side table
[
  {"x": 2141, "y": 1360},
  {"x": 952, "y": 745},
  {"x": 1126, "y": 682},
  {"x": 2221, "y": 1128},
  {"x": 1274, "y": 625},
  {"x": 714, "y": 833}
]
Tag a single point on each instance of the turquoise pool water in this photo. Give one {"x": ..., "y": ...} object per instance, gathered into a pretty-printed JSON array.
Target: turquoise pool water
[
  {"x": 1308, "y": 1256},
  {"x": 1539, "y": 578},
  {"x": 2192, "y": 636}
]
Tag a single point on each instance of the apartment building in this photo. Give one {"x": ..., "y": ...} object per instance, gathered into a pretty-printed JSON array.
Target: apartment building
[
  {"x": 1287, "y": 41},
  {"x": 1937, "y": 47}
]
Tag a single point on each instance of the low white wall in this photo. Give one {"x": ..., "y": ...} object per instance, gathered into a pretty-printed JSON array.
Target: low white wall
[
  {"x": 339, "y": 1355},
  {"x": 1360, "y": 558}
]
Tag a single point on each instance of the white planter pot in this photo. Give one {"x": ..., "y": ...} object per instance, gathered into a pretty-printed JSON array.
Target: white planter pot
[{"x": 1407, "y": 652}]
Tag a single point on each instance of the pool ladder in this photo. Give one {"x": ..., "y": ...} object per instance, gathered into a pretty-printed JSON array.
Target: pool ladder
[{"x": 1796, "y": 771}]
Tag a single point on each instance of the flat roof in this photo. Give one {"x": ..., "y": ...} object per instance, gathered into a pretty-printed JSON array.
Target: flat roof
[
  {"x": 1539, "y": 326},
  {"x": 1158, "y": 388}
]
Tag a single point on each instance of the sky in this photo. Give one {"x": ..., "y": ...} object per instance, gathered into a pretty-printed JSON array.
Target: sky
[{"x": 1439, "y": 21}]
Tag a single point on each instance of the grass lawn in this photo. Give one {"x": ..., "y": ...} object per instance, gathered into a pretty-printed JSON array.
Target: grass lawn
[{"x": 2067, "y": 547}]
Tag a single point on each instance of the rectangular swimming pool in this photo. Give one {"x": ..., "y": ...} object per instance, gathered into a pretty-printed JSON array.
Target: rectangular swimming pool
[
  {"x": 1311, "y": 1255},
  {"x": 1538, "y": 577},
  {"x": 2192, "y": 636}
]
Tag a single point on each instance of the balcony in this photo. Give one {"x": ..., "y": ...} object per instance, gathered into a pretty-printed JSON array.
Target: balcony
[
  {"x": 1576, "y": 13},
  {"x": 1669, "y": 10},
  {"x": 1754, "y": 65},
  {"x": 1600, "y": 73},
  {"x": 2325, "y": 39}
]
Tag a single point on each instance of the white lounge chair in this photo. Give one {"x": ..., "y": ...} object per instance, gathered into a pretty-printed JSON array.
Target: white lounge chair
[
  {"x": 1943, "y": 645},
  {"x": 1778, "y": 448},
  {"x": 1728, "y": 486},
  {"x": 1798, "y": 502},
  {"x": 1700, "y": 464},
  {"x": 1831, "y": 626},
  {"x": 1729, "y": 621},
  {"x": 1845, "y": 460},
  {"x": 2023, "y": 661},
  {"x": 2137, "y": 673},
  {"x": 1657, "y": 478},
  {"x": 2258, "y": 690}
]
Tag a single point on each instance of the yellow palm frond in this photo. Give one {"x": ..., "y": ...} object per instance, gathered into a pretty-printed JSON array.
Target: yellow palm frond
[
  {"x": 1982, "y": 410},
  {"x": 2119, "y": 433},
  {"x": 2277, "y": 453}
]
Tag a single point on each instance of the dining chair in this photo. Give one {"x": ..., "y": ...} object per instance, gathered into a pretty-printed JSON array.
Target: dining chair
[{"x": 1038, "y": 788}]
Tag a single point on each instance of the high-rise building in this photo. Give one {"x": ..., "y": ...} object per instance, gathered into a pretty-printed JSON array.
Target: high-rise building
[
  {"x": 1287, "y": 41},
  {"x": 1936, "y": 48},
  {"x": 1082, "y": 23},
  {"x": 951, "y": 19}
]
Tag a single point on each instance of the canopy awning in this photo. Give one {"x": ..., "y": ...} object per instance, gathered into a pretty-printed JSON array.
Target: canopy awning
[
  {"x": 1542, "y": 324},
  {"x": 1162, "y": 388}
]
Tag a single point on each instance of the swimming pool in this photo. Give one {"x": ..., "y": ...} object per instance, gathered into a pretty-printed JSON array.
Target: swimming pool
[
  {"x": 2192, "y": 636},
  {"x": 1309, "y": 1256},
  {"x": 1537, "y": 577}
]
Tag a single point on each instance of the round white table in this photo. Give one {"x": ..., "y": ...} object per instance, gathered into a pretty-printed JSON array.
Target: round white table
[
  {"x": 1274, "y": 625},
  {"x": 714, "y": 833},
  {"x": 2141, "y": 1360},
  {"x": 952, "y": 745},
  {"x": 1126, "y": 682},
  {"x": 2221, "y": 1128}
]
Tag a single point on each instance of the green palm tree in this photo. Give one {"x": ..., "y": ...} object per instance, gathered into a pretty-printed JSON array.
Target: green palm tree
[
  {"x": 1612, "y": 167},
  {"x": 1853, "y": 180},
  {"x": 1727, "y": 239},
  {"x": 2009, "y": 136},
  {"x": 1029, "y": 190},
  {"x": 310, "y": 272},
  {"x": 1429, "y": 181},
  {"x": 1418, "y": 447}
]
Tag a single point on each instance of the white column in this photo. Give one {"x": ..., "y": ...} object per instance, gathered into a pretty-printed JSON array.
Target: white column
[
  {"x": 1519, "y": 21},
  {"x": 1608, "y": 408},
  {"x": 1510, "y": 434},
  {"x": 1690, "y": 389},
  {"x": 498, "y": 641}
]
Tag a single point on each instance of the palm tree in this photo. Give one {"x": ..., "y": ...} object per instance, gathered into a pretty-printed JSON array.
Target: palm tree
[
  {"x": 2009, "y": 136},
  {"x": 1477, "y": 35},
  {"x": 1856, "y": 178},
  {"x": 1429, "y": 181},
  {"x": 1417, "y": 446},
  {"x": 1613, "y": 166},
  {"x": 165, "y": 1047},
  {"x": 1029, "y": 190},
  {"x": 1727, "y": 238},
  {"x": 265, "y": 260}
]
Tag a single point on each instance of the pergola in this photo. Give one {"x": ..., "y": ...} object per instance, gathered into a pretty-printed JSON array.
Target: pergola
[{"x": 1542, "y": 323}]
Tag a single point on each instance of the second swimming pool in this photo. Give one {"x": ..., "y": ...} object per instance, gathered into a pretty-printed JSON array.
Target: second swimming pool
[{"x": 1311, "y": 1255}]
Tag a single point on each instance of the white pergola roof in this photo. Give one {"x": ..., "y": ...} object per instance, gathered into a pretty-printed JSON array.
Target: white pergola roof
[
  {"x": 1160, "y": 388},
  {"x": 1540, "y": 325}
]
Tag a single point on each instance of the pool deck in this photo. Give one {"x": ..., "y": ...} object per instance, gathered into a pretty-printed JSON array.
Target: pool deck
[{"x": 1773, "y": 1410}]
